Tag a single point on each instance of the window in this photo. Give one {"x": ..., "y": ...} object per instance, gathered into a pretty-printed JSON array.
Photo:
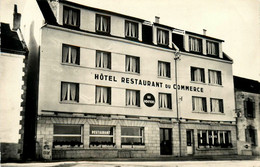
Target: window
[
  {"x": 132, "y": 135},
  {"x": 197, "y": 74},
  {"x": 70, "y": 54},
  {"x": 103, "y": 95},
  {"x": 103, "y": 24},
  {"x": 199, "y": 104},
  {"x": 164, "y": 69},
  {"x": 131, "y": 29},
  {"x": 216, "y": 105},
  {"x": 165, "y": 101},
  {"x": 71, "y": 17},
  {"x": 195, "y": 45},
  {"x": 132, "y": 64},
  {"x": 251, "y": 135},
  {"x": 69, "y": 92},
  {"x": 212, "y": 48},
  {"x": 215, "y": 77},
  {"x": 214, "y": 138},
  {"x": 101, "y": 135},
  {"x": 162, "y": 37},
  {"x": 103, "y": 60},
  {"x": 249, "y": 108},
  {"x": 133, "y": 98},
  {"x": 67, "y": 135}
]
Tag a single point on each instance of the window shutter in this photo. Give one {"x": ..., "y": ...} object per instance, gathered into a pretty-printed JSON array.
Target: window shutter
[
  {"x": 247, "y": 135},
  {"x": 245, "y": 108},
  {"x": 256, "y": 139},
  {"x": 211, "y": 105},
  {"x": 221, "y": 106},
  {"x": 253, "y": 109}
]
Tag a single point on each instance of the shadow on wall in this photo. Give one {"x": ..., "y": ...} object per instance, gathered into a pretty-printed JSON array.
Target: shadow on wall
[
  {"x": 31, "y": 98},
  {"x": 9, "y": 152}
]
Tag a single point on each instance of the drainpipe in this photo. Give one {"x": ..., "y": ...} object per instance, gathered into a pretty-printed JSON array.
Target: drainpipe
[{"x": 176, "y": 58}]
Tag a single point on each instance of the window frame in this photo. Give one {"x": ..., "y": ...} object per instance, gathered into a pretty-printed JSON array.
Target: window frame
[
  {"x": 251, "y": 135},
  {"x": 78, "y": 17},
  {"x": 109, "y": 59},
  {"x": 109, "y": 92},
  {"x": 192, "y": 72},
  {"x": 216, "y": 47},
  {"x": 200, "y": 45},
  {"x": 220, "y": 103},
  {"x": 69, "y": 93},
  {"x": 204, "y": 104},
  {"x": 137, "y": 30},
  {"x": 247, "y": 102},
  {"x": 219, "y": 76},
  {"x": 70, "y": 56},
  {"x": 68, "y": 135},
  {"x": 138, "y": 64},
  {"x": 102, "y": 136},
  {"x": 137, "y": 98},
  {"x": 133, "y": 137},
  {"x": 169, "y": 101},
  {"x": 167, "y": 37},
  {"x": 109, "y": 24},
  {"x": 168, "y": 69}
]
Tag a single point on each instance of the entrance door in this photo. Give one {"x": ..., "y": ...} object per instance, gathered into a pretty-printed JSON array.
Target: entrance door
[
  {"x": 190, "y": 143},
  {"x": 166, "y": 141}
]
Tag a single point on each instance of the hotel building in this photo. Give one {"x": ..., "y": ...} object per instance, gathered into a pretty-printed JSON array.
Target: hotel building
[{"x": 107, "y": 86}]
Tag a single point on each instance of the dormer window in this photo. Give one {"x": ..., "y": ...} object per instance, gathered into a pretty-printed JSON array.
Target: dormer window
[
  {"x": 103, "y": 24},
  {"x": 195, "y": 45},
  {"x": 162, "y": 37},
  {"x": 131, "y": 29},
  {"x": 71, "y": 17},
  {"x": 212, "y": 48}
]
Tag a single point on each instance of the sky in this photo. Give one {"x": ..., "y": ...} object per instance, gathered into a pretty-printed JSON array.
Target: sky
[{"x": 237, "y": 22}]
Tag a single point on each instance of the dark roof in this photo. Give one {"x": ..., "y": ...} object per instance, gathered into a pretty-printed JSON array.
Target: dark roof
[
  {"x": 10, "y": 41},
  {"x": 246, "y": 85},
  {"x": 204, "y": 36},
  {"x": 47, "y": 12},
  {"x": 100, "y": 10}
]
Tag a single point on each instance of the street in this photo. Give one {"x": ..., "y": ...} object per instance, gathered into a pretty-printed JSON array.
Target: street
[{"x": 236, "y": 163}]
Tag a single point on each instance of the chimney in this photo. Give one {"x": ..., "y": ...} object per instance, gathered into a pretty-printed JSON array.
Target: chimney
[
  {"x": 204, "y": 32},
  {"x": 16, "y": 19},
  {"x": 157, "y": 19}
]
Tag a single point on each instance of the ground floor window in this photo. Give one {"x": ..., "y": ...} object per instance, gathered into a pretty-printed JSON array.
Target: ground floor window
[
  {"x": 70, "y": 135},
  {"x": 214, "y": 138},
  {"x": 102, "y": 135},
  {"x": 132, "y": 135},
  {"x": 251, "y": 135}
]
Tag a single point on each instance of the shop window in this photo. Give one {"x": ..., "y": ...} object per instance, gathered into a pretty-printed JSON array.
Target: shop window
[
  {"x": 69, "y": 92},
  {"x": 102, "y": 136},
  {"x": 162, "y": 37},
  {"x": 214, "y": 139},
  {"x": 133, "y": 98},
  {"x": 67, "y": 135},
  {"x": 195, "y": 45},
  {"x": 71, "y": 17},
  {"x": 249, "y": 108},
  {"x": 164, "y": 69},
  {"x": 215, "y": 77},
  {"x": 132, "y": 64},
  {"x": 103, "y": 24},
  {"x": 199, "y": 104},
  {"x": 132, "y": 135},
  {"x": 103, "y": 60},
  {"x": 212, "y": 48},
  {"x": 165, "y": 101},
  {"x": 251, "y": 135},
  {"x": 70, "y": 54},
  {"x": 216, "y": 105},
  {"x": 131, "y": 29},
  {"x": 197, "y": 75},
  {"x": 103, "y": 95}
]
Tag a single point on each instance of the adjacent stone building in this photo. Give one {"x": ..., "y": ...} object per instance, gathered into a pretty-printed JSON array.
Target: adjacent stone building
[
  {"x": 247, "y": 95},
  {"x": 106, "y": 86},
  {"x": 13, "y": 57}
]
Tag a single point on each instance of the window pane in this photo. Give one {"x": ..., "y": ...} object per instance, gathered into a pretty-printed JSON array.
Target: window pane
[
  {"x": 131, "y": 131},
  {"x": 71, "y": 17},
  {"x": 66, "y": 139},
  {"x": 131, "y": 29},
  {"x": 67, "y": 129},
  {"x": 101, "y": 140},
  {"x": 131, "y": 140}
]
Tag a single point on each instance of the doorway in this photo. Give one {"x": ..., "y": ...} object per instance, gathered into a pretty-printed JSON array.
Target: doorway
[
  {"x": 190, "y": 142},
  {"x": 166, "y": 141}
]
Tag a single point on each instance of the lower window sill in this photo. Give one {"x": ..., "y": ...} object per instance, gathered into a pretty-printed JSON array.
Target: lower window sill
[
  {"x": 208, "y": 149},
  {"x": 64, "y": 147}
]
